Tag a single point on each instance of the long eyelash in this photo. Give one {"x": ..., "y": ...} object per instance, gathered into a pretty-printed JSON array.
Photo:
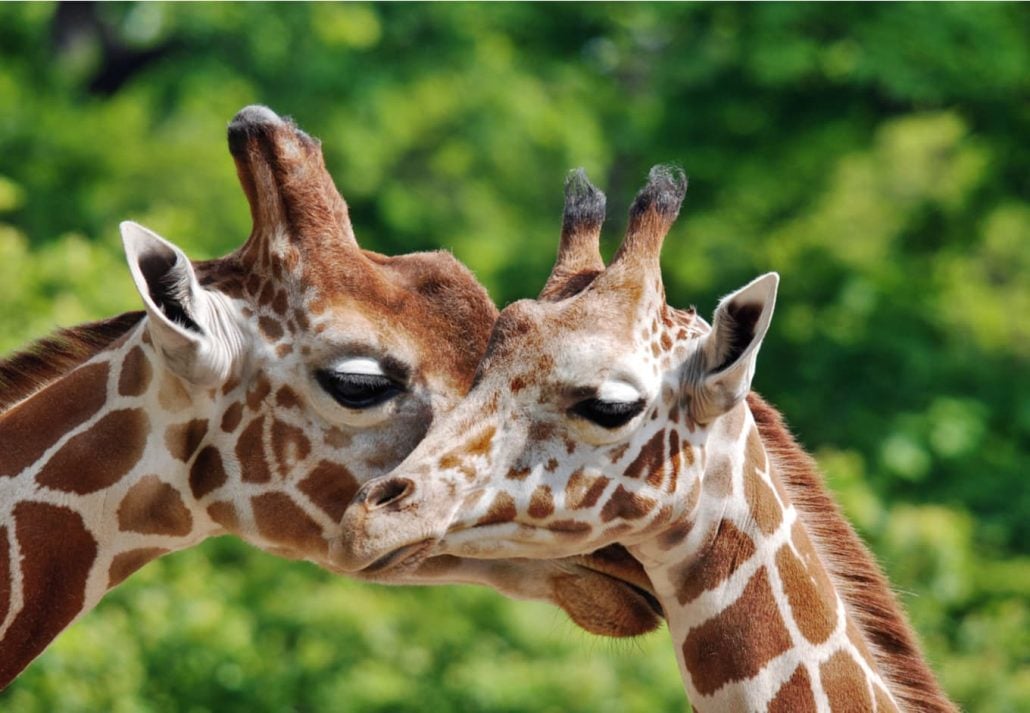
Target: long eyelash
[{"x": 608, "y": 414}]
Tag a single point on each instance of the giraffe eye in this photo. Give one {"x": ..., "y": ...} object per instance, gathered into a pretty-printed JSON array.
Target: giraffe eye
[
  {"x": 357, "y": 391},
  {"x": 608, "y": 414}
]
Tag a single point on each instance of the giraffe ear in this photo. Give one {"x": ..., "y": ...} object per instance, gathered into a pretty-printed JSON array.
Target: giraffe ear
[
  {"x": 190, "y": 326},
  {"x": 728, "y": 354}
]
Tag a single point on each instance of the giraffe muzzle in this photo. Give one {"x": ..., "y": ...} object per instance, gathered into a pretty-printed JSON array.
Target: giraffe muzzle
[{"x": 385, "y": 528}]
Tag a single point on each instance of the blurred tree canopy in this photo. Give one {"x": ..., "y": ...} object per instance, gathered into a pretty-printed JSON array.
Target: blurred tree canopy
[{"x": 877, "y": 156}]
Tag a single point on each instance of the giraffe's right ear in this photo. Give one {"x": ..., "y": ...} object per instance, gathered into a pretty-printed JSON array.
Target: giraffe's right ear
[
  {"x": 727, "y": 355},
  {"x": 191, "y": 326}
]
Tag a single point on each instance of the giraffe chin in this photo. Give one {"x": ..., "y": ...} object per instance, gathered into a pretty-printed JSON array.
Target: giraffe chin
[{"x": 609, "y": 595}]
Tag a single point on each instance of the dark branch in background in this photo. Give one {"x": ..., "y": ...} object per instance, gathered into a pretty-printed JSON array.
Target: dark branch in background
[{"x": 80, "y": 22}]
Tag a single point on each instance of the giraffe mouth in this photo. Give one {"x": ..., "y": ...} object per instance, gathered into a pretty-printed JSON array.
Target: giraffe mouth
[
  {"x": 403, "y": 558},
  {"x": 650, "y": 599}
]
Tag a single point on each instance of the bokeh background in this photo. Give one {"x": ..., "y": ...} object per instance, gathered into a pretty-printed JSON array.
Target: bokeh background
[{"x": 877, "y": 156}]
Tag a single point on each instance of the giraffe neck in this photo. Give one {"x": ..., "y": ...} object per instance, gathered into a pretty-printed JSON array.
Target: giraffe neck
[
  {"x": 93, "y": 484},
  {"x": 756, "y": 619}
]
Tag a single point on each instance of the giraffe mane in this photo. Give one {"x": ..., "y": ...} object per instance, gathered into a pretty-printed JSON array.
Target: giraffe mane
[
  {"x": 29, "y": 370},
  {"x": 856, "y": 575}
]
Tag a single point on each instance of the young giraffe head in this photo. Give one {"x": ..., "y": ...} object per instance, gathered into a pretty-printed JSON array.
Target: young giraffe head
[
  {"x": 601, "y": 415},
  {"x": 591, "y": 410}
]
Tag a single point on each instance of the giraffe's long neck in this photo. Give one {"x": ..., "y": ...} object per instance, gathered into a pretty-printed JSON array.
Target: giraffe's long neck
[
  {"x": 93, "y": 484},
  {"x": 753, "y": 612}
]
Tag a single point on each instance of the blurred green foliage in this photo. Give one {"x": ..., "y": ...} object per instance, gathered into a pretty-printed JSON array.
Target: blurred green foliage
[{"x": 875, "y": 155}]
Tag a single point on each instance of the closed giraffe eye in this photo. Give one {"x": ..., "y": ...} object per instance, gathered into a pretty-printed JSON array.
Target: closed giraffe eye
[
  {"x": 356, "y": 390},
  {"x": 608, "y": 414}
]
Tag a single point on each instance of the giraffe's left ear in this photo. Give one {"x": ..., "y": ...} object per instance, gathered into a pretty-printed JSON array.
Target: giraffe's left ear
[
  {"x": 727, "y": 356},
  {"x": 191, "y": 326}
]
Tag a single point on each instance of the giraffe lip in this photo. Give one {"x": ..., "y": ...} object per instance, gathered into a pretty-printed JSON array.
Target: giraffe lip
[
  {"x": 650, "y": 599},
  {"x": 403, "y": 557}
]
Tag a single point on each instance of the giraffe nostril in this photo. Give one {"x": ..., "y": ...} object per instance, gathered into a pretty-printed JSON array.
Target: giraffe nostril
[{"x": 388, "y": 492}]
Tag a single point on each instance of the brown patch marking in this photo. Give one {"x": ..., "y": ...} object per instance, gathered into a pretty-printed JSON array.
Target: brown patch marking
[
  {"x": 729, "y": 549},
  {"x": 724, "y": 649},
  {"x": 154, "y": 507},
  {"x": 230, "y": 385},
  {"x": 845, "y": 684},
  {"x": 540, "y": 431},
  {"x": 271, "y": 328},
  {"x": 251, "y": 452},
  {"x": 674, "y": 459},
  {"x": 126, "y": 563},
  {"x": 224, "y": 513},
  {"x": 517, "y": 473},
  {"x": 813, "y": 565},
  {"x": 183, "y": 439},
  {"x": 232, "y": 417},
  {"x": 287, "y": 397},
  {"x": 280, "y": 303},
  {"x": 28, "y": 429},
  {"x": 650, "y": 458},
  {"x": 135, "y": 375},
  {"x": 207, "y": 472},
  {"x": 53, "y": 580},
  {"x": 626, "y": 505},
  {"x": 279, "y": 520},
  {"x": 583, "y": 491},
  {"x": 331, "y": 487},
  {"x": 815, "y": 616},
  {"x": 253, "y": 284},
  {"x": 541, "y": 502},
  {"x": 99, "y": 457},
  {"x": 794, "y": 696},
  {"x": 502, "y": 509}
]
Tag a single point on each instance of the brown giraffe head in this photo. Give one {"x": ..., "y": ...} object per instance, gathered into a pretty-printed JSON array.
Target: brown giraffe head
[
  {"x": 300, "y": 365},
  {"x": 588, "y": 421}
]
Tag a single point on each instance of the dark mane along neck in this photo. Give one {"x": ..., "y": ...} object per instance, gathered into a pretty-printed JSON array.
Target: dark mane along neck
[
  {"x": 27, "y": 371},
  {"x": 861, "y": 584}
]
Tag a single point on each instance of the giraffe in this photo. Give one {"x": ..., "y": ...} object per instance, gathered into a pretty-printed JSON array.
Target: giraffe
[
  {"x": 602, "y": 415},
  {"x": 251, "y": 396}
]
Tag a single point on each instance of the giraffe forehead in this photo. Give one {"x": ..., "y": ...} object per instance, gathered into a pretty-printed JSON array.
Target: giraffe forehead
[{"x": 428, "y": 306}]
